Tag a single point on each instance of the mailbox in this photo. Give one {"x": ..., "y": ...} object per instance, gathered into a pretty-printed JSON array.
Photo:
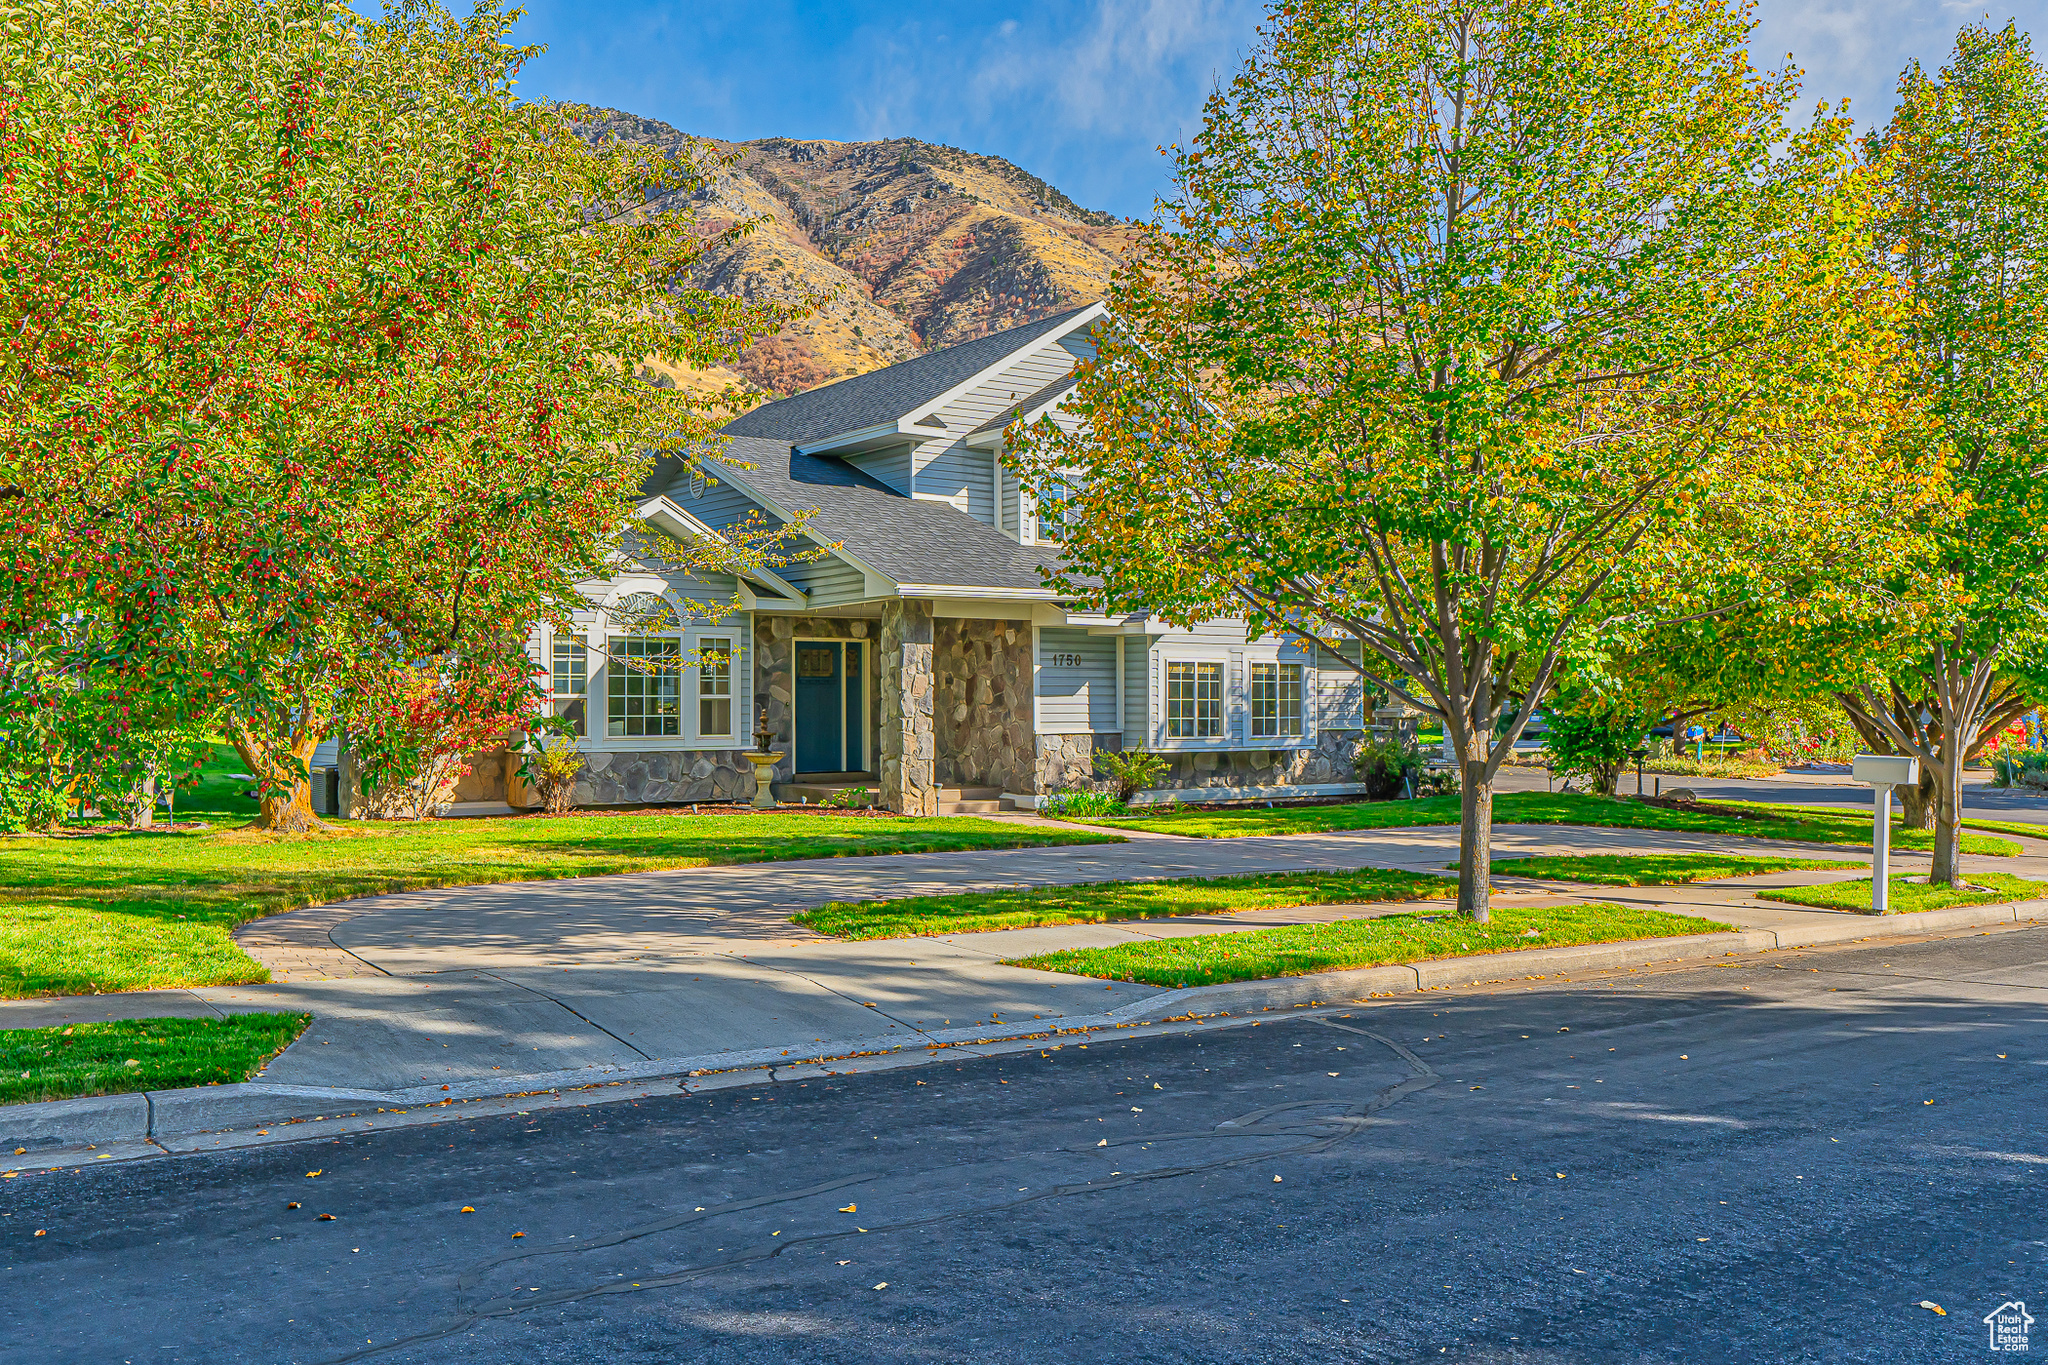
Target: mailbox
[{"x": 1891, "y": 770}]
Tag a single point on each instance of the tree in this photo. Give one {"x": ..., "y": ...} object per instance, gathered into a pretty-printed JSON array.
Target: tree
[
  {"x": 1965, "y": 167},
  {"x": 323, "y": 350},
  {"x": 1492, "y": 335}
]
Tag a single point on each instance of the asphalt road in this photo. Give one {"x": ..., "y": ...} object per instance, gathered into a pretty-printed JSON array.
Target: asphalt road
[{"x": 1774, "y": 1160}]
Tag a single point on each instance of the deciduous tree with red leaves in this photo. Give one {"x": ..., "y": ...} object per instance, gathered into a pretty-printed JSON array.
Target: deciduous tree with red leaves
[{"x": 318, "y": 351}]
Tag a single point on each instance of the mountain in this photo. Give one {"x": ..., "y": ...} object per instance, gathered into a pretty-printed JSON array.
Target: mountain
[{"x": 917, "y": 246}]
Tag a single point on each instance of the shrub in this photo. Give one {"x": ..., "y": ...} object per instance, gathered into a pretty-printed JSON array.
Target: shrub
[
  {"x": 551, "y": 768},
  {"x": 1386, "y": 766},
  {"x": 1130, "y": 769},
  {"x": 1593, "y": 744},
  {"x": 1080, "y": 803},
  {"x": 413, "y": 730},
  {"x": 2020, "y": 768},
  {"x": 850, "y": 798},
  {"x": 1436, "y": 782}
]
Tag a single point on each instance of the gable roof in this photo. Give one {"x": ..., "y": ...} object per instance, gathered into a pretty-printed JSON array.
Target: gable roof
[
  {"x": 886, "y": 396},
  {"x": 1027, "y": 405},
  {"x": 913, "y": 542}
]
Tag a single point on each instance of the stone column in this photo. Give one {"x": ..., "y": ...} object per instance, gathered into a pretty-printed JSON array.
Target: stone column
[{"x": 908, "y": 750}]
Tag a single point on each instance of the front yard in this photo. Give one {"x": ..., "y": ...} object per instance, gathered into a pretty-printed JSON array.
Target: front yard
[
  {"x": 127, "y": 1055},
  {"x": 1748, "y": 819},
  {"x": 1909, "y": 896},
  {"x": 1656, "y": 869},
  {"x": 118, "y": 912},
  {"x": 1101, "y": 902},
  {"x": 1302, "y": 949}
]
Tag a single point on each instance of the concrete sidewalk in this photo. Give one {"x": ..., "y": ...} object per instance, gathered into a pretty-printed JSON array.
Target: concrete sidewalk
[{"x": 499, "y": 988}]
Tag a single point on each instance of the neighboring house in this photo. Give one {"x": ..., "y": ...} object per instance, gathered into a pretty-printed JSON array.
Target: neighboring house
[{"x": 921, "y": 654}]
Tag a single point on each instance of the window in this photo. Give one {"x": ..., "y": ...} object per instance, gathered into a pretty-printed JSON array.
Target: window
[
  {"x": 714, "y": 688},
  {"x": 1276, "y": 701},
  {"x": 1058, "y": 513},
  {"x": 569, "y": 678},
  {"x": 644, "y": 688},
  {"x": 1194, "y": 701}
]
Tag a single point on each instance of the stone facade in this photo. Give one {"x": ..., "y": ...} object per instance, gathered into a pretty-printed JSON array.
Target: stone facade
[
  {"x": 908, "y": 745},
  {"x": 1066, "y": 763},
  {"x": 628, "y": 777},
  {"x": 1328, "y": 761},
  {"x": 981, "y": 712},
  {"x": 775, "y": 640}
]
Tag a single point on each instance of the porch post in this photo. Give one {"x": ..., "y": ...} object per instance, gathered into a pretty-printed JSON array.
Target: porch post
[{"x": 906, "y": 770}]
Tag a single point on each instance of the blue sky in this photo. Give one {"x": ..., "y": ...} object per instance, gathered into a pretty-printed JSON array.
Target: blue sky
[{"x": 1081, "y": 92}]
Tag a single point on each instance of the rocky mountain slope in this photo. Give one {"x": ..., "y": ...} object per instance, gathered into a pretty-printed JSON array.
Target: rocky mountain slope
[{"x": 915, "y": 245}]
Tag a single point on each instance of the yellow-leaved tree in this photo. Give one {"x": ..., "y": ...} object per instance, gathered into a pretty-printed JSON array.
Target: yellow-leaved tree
[{"x": 1497, "y": 337}]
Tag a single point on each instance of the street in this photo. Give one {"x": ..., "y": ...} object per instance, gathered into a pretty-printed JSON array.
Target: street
[{"x": 1775, "y": 1160}]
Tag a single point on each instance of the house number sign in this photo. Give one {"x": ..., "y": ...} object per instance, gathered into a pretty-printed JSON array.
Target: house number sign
[{"x": 1066, "y": 661}]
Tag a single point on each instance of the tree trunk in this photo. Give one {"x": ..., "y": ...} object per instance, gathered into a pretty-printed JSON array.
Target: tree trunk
[
  {"x": 289, "y": 812},
  {"x": 287, "y": 799},
  {"x": 1948, "y": 822},
  {"x": 1609, "y": 778},
  {"x": 1920, "y": 801},
  {"x": 1475, "y": 842}
]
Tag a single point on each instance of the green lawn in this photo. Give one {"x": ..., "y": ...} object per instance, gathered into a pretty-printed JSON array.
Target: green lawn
[
  {"x": 1094, "y": 902},
  {"x": 1299, "y": 950},
  {"x": 1654, "y": 869},
  {"x": 139, "y": 1054},
  {"x": 1988, "y": 888},
  {"x": 135, "y": 911},
  {"x": 1546, "y": 808}
]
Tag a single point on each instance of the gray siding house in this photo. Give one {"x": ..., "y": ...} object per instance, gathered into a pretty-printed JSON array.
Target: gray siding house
[{"x": 920, "y": 653}]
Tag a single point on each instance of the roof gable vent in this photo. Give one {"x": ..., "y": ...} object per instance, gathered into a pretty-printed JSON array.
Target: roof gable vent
[{"x": 932, "y": 421}]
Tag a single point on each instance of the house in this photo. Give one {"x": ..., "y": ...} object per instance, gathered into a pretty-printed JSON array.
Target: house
[{"x": 920, "y": 653}]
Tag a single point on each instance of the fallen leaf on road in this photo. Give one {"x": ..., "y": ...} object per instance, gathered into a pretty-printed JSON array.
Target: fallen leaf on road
[
  {"x": 1927, "y": 1101},
  {"x": 1103, "y": 1143},
  {"x": 883, "y": 1285},
  {"x": 851, "y": 1208},
  {"x": 1924, "y": 1303},
  {"x": 467, "y": 1209},
  {"x": 41, "y": 1231},
  {"x": 518, "y": 1234},
  {"x": 1560, "y": 1175},
  {"x": 311, "y": 1174},
  {"x": 1276, "y": 1180},
  {"x": 1333, "y": 1073},
  {"x": 294, "y": 1204},
  {"x": 1136, "y": 1110},
  {"x": 326, "y": 1217},
  {"x": 846, "y": 1263}
]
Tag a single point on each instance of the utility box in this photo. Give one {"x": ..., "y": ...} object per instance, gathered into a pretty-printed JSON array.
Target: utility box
[{"x": 1889, "y": 770}]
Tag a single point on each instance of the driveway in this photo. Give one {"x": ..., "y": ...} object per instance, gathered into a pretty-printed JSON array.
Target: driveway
[{"x": 527, "y": 984}]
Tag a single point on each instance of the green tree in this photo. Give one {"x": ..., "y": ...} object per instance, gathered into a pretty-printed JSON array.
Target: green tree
[
  {"x": 1491, "y": 335},
  {"x": 1965, "y": 166},
  {"x": 323, "y": 349}
]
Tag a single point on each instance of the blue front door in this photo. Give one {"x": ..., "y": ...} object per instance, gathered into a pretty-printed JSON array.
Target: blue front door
[{"x": 820, "y": 708}]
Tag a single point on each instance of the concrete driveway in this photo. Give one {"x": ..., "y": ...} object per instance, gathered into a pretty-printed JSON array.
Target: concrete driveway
[{"x": 521, "y": 983}]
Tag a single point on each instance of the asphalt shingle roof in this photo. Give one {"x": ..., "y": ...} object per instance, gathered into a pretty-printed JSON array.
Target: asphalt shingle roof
[
  {"x": 871, "y": 400},
  {"x": 909, "y": 540}
]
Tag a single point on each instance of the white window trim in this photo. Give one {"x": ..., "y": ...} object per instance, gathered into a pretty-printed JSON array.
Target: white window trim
[
  {"x": 598, "y": 630},
  {"x": 1236, "y": 696}
]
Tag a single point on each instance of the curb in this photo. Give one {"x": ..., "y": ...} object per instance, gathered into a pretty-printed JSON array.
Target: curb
[{"x": 160, "y": 1121}]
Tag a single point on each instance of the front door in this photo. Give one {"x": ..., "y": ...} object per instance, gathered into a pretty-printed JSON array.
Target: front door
[{"x": 828, "y": 706}]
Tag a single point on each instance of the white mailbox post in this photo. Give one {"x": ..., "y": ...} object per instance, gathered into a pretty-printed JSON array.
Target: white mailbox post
[{"x": 1883, "y": 771}]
